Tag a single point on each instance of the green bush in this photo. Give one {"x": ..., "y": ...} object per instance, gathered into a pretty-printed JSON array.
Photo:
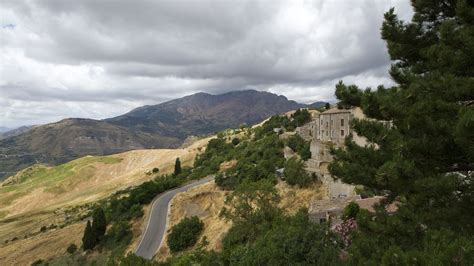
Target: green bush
[
  {"x": 300, "y": 146},
  {"x": 185, "y": 234},
  {"x": 295, "y": 174},
  {"x": 119, "y": 231},
  {"x": 71, "y": 249},
  {"x": 351, "y": 211},
  {"x": 235, "y": 141}
]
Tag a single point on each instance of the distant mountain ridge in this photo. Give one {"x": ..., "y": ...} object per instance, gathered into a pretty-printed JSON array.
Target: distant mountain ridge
[
  {"x": 14, "y": 132},
  {"x": 164, "y": 125},
  {"x": 204, "y": 113}
]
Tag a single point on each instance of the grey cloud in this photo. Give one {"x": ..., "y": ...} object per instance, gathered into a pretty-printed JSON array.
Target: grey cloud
[{"x": 150, "y": 51}]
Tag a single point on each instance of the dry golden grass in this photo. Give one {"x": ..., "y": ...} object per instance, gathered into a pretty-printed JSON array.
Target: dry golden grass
[{"x": 43, "y": 246}]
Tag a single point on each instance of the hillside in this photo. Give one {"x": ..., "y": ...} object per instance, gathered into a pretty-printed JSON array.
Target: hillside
[
  {"x": 70, "y": 139},
  {"x": 165, "y": 125},
  {"x": 40, "y": 195},
  {"x": 14, "y": 132}
]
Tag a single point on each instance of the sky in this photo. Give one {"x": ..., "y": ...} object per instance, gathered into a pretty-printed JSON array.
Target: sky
[{"x": 99, "y": 59}]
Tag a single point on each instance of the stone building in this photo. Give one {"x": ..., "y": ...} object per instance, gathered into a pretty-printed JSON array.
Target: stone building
[{"x": 328, "y": 130}]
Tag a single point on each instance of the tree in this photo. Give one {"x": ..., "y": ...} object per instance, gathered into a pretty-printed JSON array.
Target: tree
[
  {"x": 177, "y": 167},
  {"x": 88, "y": 239},
  {"x": 99, "y": 223},
  {"x": 327, "y": 106},
  {"x": 424, "y": 155},
  {"x": 295, "y": 174},
  {"x": 185, "y": 234}
]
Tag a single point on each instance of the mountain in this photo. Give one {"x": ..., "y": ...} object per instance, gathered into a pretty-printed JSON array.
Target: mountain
[
  {"x": 4, "y": 129},
  {"x": 204, "y": 113},
  {"x": 14, "y": 132},
  {"x": 70, "y": 139},
  {"x": 158, "y": 126}
]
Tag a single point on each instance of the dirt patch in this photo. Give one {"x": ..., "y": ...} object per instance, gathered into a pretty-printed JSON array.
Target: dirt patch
[{"x": 227, "y": 165}]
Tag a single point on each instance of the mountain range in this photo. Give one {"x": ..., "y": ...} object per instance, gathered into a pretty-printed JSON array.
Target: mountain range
[{"x": 164, "y": 125}]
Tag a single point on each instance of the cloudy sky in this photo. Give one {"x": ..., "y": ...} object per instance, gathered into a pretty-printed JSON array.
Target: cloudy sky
[{"x": 99, "y": 59}]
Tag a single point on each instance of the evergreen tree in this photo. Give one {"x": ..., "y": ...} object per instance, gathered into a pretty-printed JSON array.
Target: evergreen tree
[
  {"x": 89, "y": 239},
  {"x": 327, "y": 106},
  {"x": 177, "y": 167},
  {"x": 424, "y": 156},
  {"x": 99, "y": 223}
]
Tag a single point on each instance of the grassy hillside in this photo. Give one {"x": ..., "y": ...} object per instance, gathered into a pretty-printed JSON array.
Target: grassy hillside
[{"x": 43, "y": 196}]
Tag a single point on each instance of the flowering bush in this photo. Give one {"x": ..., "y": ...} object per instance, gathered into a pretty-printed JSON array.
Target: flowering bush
[{"x": 345, "y": 229}]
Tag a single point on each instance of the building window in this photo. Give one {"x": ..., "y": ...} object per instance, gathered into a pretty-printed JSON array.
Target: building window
[
  {"x": 342, "y": 122},
  {"x": 327, "y": 133},
  {"x": 327, "y": 124},
  {"x": 331, "y": 122},
  {"x": 342, "y": 133},
  {"x": 322, "y": 220}
]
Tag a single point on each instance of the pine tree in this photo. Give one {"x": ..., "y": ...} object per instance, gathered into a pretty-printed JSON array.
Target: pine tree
[
  {"x": 99, "y": 223},
  {"x": 88, "y": 239},
  {"x": 424, "y": 155},
  {"x": 177, "y": 167}
]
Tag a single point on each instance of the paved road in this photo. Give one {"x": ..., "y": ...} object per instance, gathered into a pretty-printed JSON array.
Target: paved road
[{"x": 157, "y": 221}]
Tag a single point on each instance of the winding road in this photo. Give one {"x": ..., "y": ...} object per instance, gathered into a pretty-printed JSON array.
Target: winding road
[{"x": 155, "y": 228}]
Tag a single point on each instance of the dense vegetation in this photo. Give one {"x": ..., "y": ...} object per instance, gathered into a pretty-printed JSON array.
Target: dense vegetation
[
  {"x": 300, "y": 146},
  {"x": 185, "y": 234},
  {"x": 263, "y": 235},
  {"x": 299, "y": 118},
  {"x": 295, "y": 173},
  {"x": 424, "y": 159}
]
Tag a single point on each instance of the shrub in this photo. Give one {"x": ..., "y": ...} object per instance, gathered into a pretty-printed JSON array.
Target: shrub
[
  {"x": 295, "y": 173},
  {"x": 119, "y": 231},
  {"x": 351, "y": 211},
  {"x": 235, "y": 141},
  {"x": 71, "y": 249},
  {"x": 185, "y": 234}
]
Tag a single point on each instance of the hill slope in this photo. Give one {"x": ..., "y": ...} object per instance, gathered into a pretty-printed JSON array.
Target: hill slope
[
  {"x": 35, "y": 196},
  {"x": 159, "y": 126},
  {"x": 70, "y": 139}
]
